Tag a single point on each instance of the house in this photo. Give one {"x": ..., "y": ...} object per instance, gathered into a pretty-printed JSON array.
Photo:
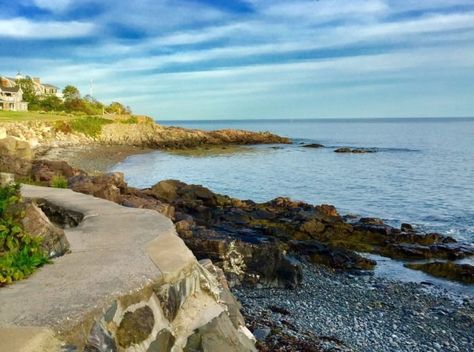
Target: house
[
  {"x": 11, "y": 98},
  {"x": 11, "y": 95}
]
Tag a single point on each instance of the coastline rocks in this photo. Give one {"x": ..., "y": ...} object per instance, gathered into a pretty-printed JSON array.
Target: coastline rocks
[
  {"x": 354, "y": 150},
  {"x": 313, "y": 145},
  {"x": 15, "y": 156},
  {"x": 46, "y": 170},
  {"x": 448, "y": 270},
  {"x": 107, "y": 186},
  {"x": 16, "y": 148}
]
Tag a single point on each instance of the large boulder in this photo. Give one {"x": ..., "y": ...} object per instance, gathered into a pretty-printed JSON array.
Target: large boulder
[
  {"x": 16, "y": 148},
  {"x": 37, "y": 224},
  {"x": 107, "y": 186},
  {"x": 46, "y": 170},
  {"x": 15, "y": 156}
]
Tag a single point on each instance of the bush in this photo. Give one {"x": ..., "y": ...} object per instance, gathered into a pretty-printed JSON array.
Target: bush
[
  {"x": 20, "y": 254},
  {"x": 59, "y": 181},
  {"x": 131, "y": 120},
  {"x": 90, "y": 126}
]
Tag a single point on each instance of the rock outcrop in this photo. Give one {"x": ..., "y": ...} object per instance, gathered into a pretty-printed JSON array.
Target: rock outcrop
[{"x": 143, "y": 133}]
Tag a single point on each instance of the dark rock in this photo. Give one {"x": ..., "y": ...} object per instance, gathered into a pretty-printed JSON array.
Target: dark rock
[
  {"x": 262, "y": 333},
  {"x": 313, "y": 145},
  {"x": 100, "y": 340},
  {"x": 46, "y": 170},
  {"x": 164, "y": 342},
  {"x": 107, "y": 186},
  {"x": 406, "y": 227},
  {"x": 135, "y": 327},
  {"x": 333, "y": 257},
  {"x": 219, "y": 335},
  {"x": 354, "y": 150},
  {"x": 463, "y": 273}
]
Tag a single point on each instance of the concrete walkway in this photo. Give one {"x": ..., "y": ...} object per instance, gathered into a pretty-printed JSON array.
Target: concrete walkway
[{"x": 114, "y": 251}]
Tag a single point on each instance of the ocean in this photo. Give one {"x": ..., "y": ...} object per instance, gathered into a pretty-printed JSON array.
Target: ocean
[{"x": 422, "y": 172}]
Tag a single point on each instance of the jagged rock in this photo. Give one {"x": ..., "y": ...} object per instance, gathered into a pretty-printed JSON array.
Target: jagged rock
[
  {"x": 37, "y": 224},
  {"x": 172, "y": 190},
  {"x": 333, "y": 257},
  {"x": 107, "y": 186},
  {"x": 134, "y": 198},
  {"x": 219, "y": 335},
  {"x": 16, "y": 148},
  {"x": 454, "y": 271},
  {"x": 45, "y": 170}
]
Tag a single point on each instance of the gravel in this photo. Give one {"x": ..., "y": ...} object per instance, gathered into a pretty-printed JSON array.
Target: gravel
[{"x": 365, "y": 313}]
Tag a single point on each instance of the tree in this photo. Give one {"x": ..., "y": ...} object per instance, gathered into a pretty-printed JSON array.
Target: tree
[
  {"x": 71, "y": 93},
  {"x": 51, "y": 103},
  {"x": 28, "y": 88},
  {"x": 116, "y": 108}
]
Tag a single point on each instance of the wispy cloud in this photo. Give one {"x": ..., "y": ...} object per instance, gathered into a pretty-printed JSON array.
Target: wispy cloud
[
  {"x": 197, "y": 54},
  {"x": 23, "y": 28}
]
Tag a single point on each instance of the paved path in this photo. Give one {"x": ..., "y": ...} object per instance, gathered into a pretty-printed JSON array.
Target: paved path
[{"x": 114, "y": 251}]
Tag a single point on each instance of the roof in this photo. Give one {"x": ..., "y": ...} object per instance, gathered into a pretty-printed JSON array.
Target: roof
[
  {"x": 49, "y": 86},
  {"x": 10, "y": 89}
]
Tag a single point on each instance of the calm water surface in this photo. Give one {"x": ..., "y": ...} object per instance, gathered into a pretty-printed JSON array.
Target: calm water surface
[{"x": 422, "y": 174}]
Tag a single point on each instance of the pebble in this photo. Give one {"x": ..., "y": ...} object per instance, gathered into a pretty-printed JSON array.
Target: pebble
[{"x": 400, "y": 317}]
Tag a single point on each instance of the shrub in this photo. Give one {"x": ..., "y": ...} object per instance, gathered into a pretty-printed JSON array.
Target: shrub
[
  {"x": 59, "y": 181},
  {"x": 131, "y": 120},
  {"x": 20, "y": 254},
  {"x": 90, "y": 126}
]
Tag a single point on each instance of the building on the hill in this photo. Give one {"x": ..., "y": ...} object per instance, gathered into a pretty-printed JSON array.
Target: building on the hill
[
  {"x": 11, "y": 98},
  {"x": 41, "y": 89}
]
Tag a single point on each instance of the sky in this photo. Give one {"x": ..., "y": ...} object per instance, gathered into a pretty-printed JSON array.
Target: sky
[{"x": 246, "y": 59}]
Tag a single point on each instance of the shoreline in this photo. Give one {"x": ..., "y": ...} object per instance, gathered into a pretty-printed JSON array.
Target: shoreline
[
  {"x": 360, "y": 313},
  {"x": 93, "y": 158}
]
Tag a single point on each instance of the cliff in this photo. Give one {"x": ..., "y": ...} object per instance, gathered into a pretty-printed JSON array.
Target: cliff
[{"x": 138, "y": 132}]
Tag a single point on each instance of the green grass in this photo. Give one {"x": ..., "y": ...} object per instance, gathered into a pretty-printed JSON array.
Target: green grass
[
  {"x": 59, "y": 181},
  {"x": 90, "y": 126},
  {"x": 16, "y": 116}
]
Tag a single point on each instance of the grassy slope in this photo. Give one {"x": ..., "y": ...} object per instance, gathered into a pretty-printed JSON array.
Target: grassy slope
[{"x": 14, "y": 116}]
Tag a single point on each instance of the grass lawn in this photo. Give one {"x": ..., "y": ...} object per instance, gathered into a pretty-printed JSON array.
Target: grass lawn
[{"x": 14, "y": 116}]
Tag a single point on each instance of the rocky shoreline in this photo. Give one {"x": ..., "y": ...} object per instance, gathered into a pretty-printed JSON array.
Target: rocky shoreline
[
  {"x": 337, "y": 311},
  {"x": 263, "y": 249}
]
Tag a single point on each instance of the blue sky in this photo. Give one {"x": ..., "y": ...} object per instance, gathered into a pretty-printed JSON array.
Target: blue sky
[{"x": 209, "y": 59}]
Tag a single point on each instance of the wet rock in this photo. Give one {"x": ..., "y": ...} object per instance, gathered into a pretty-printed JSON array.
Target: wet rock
[
  {"x": 313, "y": 145},
  {"x": 333, "y": 257},
  {"x": 354, "y": 150},
  {"x": 404, "y": 227},
  {"x": 454, "y": 271},
  {"x": 451, "y": 251}
]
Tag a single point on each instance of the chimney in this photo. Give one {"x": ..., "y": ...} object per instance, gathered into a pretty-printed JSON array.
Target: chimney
[
  {"x": 4, "y": 82},
  {"x": 36, "y": 80}
]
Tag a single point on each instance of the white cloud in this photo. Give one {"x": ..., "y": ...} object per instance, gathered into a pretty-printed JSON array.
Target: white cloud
[
  {"x": 53, "y": 5},
  {"x": 28, "y": 29}
]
